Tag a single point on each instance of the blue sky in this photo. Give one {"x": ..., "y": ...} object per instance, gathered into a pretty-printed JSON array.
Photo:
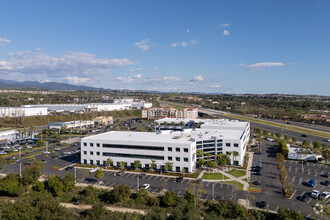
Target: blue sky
[{"x": 183, "y": 46}]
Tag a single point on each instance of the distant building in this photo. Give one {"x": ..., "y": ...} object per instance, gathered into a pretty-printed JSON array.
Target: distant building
[
  {"x": 168, "y": 112},
  {"x": 22, "y": 111},
  {"x": 103, "y": 120},
  {"x": 71, "y": 125}
]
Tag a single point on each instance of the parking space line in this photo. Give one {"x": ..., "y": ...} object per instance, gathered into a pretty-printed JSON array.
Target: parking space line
[
  {"x": 130, "y": 186},
  {"x": 112, "y": 185},
  {"x": 314, "y": 165},
  {"x": 130, "y": 174},
  {"x": 161, "y": 179},
  {"x": 167, "y": 179},
  {"x": 221, "y": 185},
  {"x": 179, "y": 192},
  {"x": 277, "y": 207},
  {"x": 207, "y": 184},
  {"x": 315, "y": 174},
  {"x": 150, "y": 177},
  {"x": 154, "y": 190}
]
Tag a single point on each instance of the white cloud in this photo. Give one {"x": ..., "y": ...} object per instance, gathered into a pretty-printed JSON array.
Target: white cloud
[
  {"x": 215, "y": 86},
  {"x": 241, "y": 64},
  {"x": 264, "y": 65},
  {"x": 163, "y": 80},
  {"x": 155, "y": 68},
  {"x": 226, "y": 33},
  {"x": 176, "y": 67},
  {"x": 174, "y": 44},
  {"x": 193, "y": 41},
  {"x": 4, "y": 41},
  {"x": 135, "y": 70},
  {"x": 77, "y": 80},
  {"x": 27, "y": 65},
  {"x": 125, "y": 79},
  {"x": 143, "y": 44},
  {"x": 137, "y": 76},
  {"x": 184, "y": 44},
  {"x": 187, "y": 30},
  {"x": 197, "y": 78},
  {"x": 224, "y": 25}
]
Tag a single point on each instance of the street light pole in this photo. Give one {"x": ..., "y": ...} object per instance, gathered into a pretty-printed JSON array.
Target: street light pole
[
  {"x": 213, "y": 191},
  {"x": 75, "y": 175},
  {"x": 138, "y": 182},
  {"x": 20, "y": 170}
]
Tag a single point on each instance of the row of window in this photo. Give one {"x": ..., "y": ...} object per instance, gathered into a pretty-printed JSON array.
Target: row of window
[
  {"x": 147, "y": 166},
  {"x": 138, "y": 147}
]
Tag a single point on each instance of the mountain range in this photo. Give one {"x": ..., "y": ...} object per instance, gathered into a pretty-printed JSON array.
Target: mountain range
[{"x": 7, "y": 84}]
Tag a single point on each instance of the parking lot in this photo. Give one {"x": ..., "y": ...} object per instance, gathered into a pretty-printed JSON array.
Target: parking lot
[
  {"x": 299, "y": 174},
  {"x": 272, "y": 187}
]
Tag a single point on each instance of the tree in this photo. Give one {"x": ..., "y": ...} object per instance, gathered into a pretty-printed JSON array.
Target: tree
[
  {"x": 30, "y": 175},
  {"x": 265, "y": 132},
  {"x": 316, "y": 145},
  {"x": 326, "y": 154},
  {"x": 294, "y": 140},
  {"x": 142, "y": 197},
  {"x": 305, "y": 143},
  {"x": 122, "y": 164},
  {"x": 235, "y": 154},
  {"x": 201, "y": 162},
  {"x": 153, "y": 165},
  {"x": 119, "y": 193},
  {"x": 278, "y": 135},
  {"x": 229, "y": 153},
  {"x": 32, "y": 159},
  {"x": 279, "y": 157},
  {"x": 11, "y": 185},
  {"x": 211, "y": 163},
  {"x": 109, "y": 162},
  {"x": 68, "y": 182},
  {"x": 223, "y": 159},
  {"x": 168, "y": 166},
  {"x": 2, "y": 161},
  {"x": 99, "y": 174},
  {"x": 286, "y": 138},
  {"x": 170, "y": 198},
  {"x": 283, "y": 148},
  {"x": 54, "y": 185},
  {"x": 137, "y": 164},
  {"x": 40, "y": 165}
]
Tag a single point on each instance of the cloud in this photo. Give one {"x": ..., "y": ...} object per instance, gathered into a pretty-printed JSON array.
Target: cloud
[
  {"x": 187, "y": 30},
  {"x": 163, "y": 80},
  {"x": 197, "y": 78},
  {"x": 224, "y": 25},
  {"x": 77, "y": 80},
  {"x": 241, "y": 64},
  {"x": 125, "y": 79},
  {"x": 215, "y": 86},
  {"x": 155, "y": 68},
  {"x": 137, "y": 76},
  {"x": 176, "y": 67},
  {"x": 135, "y": 70},
  {"x": 226, "y": 33},
  {"x": 143, "y": 44},
  {"x": 4, "y": 41},
  {"x": 183, "y": 43},
  {"x": 264, "y": 65},
  {"x": 28, "y": 65}
]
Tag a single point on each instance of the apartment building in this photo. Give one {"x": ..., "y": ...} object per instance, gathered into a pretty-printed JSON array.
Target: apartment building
[{"x": 168, "y": 112}]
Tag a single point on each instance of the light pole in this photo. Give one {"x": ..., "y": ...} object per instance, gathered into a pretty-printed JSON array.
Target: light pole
[
  {"x": 138, "y": 182},
  {"x": 75, "y": 175},
  {"x": 213, "y": 191},
  {"x": 20, "y": 170},
  {"x": 19, "y": 153}
]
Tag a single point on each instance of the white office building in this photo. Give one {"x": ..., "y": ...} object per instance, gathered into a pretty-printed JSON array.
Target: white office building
[
  {"x": 22, "y": 111},
  {"x": 179, "y": 147}
]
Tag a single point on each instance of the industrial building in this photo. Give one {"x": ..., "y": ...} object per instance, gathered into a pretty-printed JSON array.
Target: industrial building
[
  {"x": 177, "y": 147},
  {"x": 22, "y": 111},
  {"x": 168, "y": 112}
]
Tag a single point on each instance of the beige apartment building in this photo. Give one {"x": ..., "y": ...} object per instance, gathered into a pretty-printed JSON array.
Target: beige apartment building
[{"x": 168, "y": 112}]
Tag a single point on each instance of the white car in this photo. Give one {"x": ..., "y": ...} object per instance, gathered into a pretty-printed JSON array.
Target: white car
[
  {"x": 315, "y": 193},
  {"x": 29, "y": 146},
  {"x": 46, "y": 152},
  {"x": 270, "y": 139},
  {"x": 324, "y": 195},
  {"x": 93, "y": 170},
  {"x": 57, "y": 149},
  {"x": 146, "y": 186}
]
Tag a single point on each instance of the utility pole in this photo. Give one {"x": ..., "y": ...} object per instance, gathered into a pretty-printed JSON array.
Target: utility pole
[
  {"x": 138, "y": 182},
  {"x": 213, "y": 191},
  {"x": 75, "y": 175},
  {"x": 20, "y": 170}
]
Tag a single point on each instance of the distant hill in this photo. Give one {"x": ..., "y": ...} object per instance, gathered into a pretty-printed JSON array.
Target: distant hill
[{"x": 46, "y": 85}]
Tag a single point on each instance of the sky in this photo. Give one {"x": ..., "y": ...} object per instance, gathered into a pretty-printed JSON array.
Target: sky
[{"x": 207, "y": 46}]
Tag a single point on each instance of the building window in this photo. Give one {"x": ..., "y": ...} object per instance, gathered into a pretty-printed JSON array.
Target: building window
[
  {"x": 85, "y": 144},
  {"x": 185, "y": 169},
  {"x": 170, "y": 158},
  {"x": 185, "y": 150},
  {"x": 98, "y": 162},
  {"x": 91, "y": 162},
  {"x": 169, "y": 149},
  {"x": 91, "y": 153},
  {"x": 185, "y": 159},
  {"x": 91, "y": 144},
  {"x": 85, "y": 152},
  {"x": 177, "y": 169},
  {"x": 235, "y": 145},
  {"x": 85, "y": 161},
  {"x": 227, "y": 144},
  {"x": 97, "y": 145},
  {"x": 177, "y": 149},
  {"x": 98, "y": 153},
  {"x": 177, "y": 158}
]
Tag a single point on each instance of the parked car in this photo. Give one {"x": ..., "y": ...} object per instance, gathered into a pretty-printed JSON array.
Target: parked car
[
  {"x": 315, "y": 193},
  {"x": 46, "y": 152},
  {"x": 325, "y": 183},
  {"x": 68, "y": 168},
  {"x": 146, "y": 186},
  {"x": 303, "y": 135},
  {"x": 120, "y": 173},
  {"x": 92, "y": 170},
  {"x": 261, "y": 204},
  {"x": 179, "y": 179},
  {"x": 256, "y": 182},
  {"x": 311, "y": 183},
  {"x": 324, "y": 195},
  {"x": 325, "y": 175},
  {"x": 57, "y": 149},
  {"x": 257, "y": 173},
  {"x": 304, "y": 197},
  {"x": 141, "y": 175}
]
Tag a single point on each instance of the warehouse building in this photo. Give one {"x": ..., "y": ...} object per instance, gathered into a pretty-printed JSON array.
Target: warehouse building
[
  {"x": 177, "y": 147},
  {"x": 22, "y": 111}
]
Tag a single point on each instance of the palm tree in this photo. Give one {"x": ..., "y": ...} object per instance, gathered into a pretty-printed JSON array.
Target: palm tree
[{"x": 229, "y": 153}]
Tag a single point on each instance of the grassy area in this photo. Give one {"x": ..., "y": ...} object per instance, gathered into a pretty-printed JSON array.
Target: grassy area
[
  {"x": 6, "y": 129},
  {"x": 254, "y": 189},
  {"x": 85, "y": 165},
  {"x": 270, "y": 123},
  {"x": 246, "y": 180},
  {"x": 237, "y": 173},
  {"x": 237, "y": 184},
  {"x": 214, "y": 176}
]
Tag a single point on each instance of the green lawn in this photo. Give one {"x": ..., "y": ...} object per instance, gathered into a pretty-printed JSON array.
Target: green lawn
[
  {"x": 237, "y": 184},
  {"x": 237, "y": 172},
  {"x": 214, "y": 176},
  {"x": 254, "y": 189}
]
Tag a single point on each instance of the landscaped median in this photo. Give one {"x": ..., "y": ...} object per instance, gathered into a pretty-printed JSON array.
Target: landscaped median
[
  {"x": 214, "y": 176},
  {"x": 237, "y": 172}
]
